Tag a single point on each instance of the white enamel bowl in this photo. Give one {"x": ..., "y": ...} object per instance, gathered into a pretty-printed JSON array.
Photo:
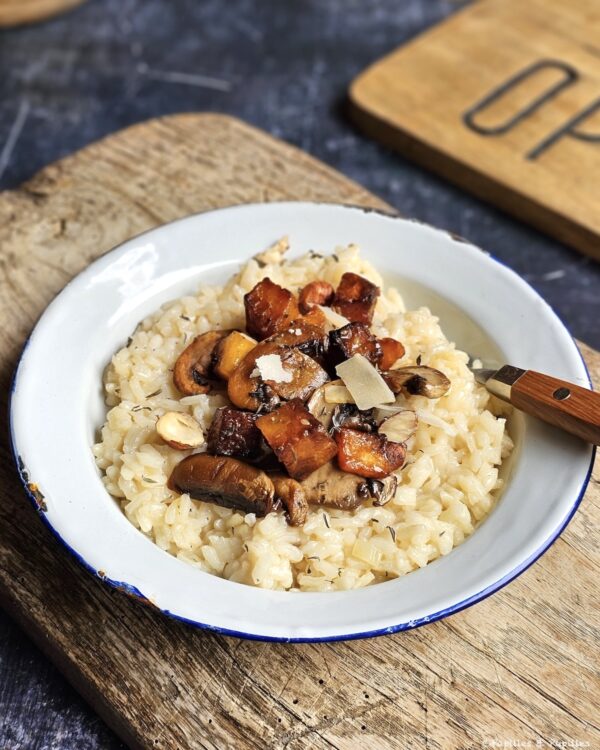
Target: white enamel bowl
[{"x": 487, "y": 309}]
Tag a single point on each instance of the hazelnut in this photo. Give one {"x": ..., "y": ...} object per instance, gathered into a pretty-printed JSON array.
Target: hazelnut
[{"x": 180, "y": 431}]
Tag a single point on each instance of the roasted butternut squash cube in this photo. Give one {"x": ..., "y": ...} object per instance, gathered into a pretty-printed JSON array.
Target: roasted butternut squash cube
[
  {"x": 355, "y": 298},
  {"x": 230, "y": 351},
  {"x": 391, "y": 351},
  {"x": 269, "y": 308},
  {"x": 298, "y": 440},
  {"x": 234, "y": 433},
  {"x": 368, "y": 454},
  {"x": 355, "y": 338}
]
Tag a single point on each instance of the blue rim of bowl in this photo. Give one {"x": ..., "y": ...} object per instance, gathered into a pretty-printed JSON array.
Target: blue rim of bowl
[{"x": 135, "y": 593}]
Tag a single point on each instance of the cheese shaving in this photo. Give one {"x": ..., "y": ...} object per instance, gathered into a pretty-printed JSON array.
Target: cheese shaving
[
  {"x": 270, "y": 367},
  {"x": 333, "y": 318},
  {"x": 367, "y": 387}
]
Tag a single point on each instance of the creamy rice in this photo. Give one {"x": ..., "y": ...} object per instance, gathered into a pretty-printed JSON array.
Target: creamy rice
[{"x": 448, "y": 486}]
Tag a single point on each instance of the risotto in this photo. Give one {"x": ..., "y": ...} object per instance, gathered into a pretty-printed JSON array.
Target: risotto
[{"x": 445, "y": 473}]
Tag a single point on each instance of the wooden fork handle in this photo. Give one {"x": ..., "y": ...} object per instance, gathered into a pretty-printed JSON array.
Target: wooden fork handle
[{"x": 570, "y": 407}]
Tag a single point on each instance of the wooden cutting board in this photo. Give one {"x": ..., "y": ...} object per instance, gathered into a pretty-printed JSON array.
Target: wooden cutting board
[
  {"x": 503, "y": 98},
  {"x": 521, "y": 665},
  {"x": 17, "y": 12}
]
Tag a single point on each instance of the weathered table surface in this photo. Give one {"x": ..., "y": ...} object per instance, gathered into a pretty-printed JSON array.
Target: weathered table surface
[{"x": 521, "y": 666}]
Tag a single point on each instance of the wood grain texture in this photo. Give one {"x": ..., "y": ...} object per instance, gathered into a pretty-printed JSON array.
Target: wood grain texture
[
  {"x": 416, "y": 98},
  {"x": 577, "y": 413},
  {"x": 520, "y": 666},
  {"x": 17, "y": 12}
]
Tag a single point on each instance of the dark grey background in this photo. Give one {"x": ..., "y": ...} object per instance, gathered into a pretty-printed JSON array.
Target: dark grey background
[{"x": 283, "y": 65}]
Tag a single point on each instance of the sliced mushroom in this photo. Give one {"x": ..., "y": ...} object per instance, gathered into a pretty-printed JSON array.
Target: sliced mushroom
[
  {"x": 234, "y": 433},
  {"x": 269, "y": 308},
  {"x": 355, "y": 298},
  {"x": 248, "y": 388},
  {"x": 316, "y": 293},
  {"x": 330, "y": 486},
  {"x": 297, "y": 438},
  {"x": 224, "y": 481},
  {"x": 391, "y": 351},
  {"x": 320, "y": 408},
  {"x": 400, "y": 426},
  {"x": 193, "y": 368},
  {"x": 292, "y": 496},
  {"x": 349, "y": 415},
  {"x": 368, "y": 454},
  {"x": 417, "y": 381},
  {"x": 354, "y": 338},
  {"x": 180, "y": 431},
  {"x": 381, "y": 490},
  {"x": 230, "y": 351},
  {"x": 307, "y": 338}
]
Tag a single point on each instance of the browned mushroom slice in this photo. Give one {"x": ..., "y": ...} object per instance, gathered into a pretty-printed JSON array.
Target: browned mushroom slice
[
  {"x": 269, "y": 308},
  {"x": 355, "y": 338},
  {"x": 193, "y": 368},
  {"x": 297, "y": 438},
  {"x": 355, "y": 298},
  {"x": 307, "y": 338},
  {"x": 271, "y": 372},
  {"x": 368, "y": 454},
  {"x": 291, "y": 494},
  {"x": 391, "y": 351},
  {"x": 316, "y": 293},
  {"x": 229, "y": 353},
  {"x": 234, "y": 433},
  {"x": 330, "y": 486},
  {"x": 320, "y": 408},
  {"x": 224, "y": 481},
  {"x": 349, "y": 415},
  {"x": 418, "y": 381}
]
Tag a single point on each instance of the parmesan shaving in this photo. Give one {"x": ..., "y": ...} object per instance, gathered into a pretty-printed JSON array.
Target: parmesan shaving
[
  {"x": 367, "y": 387},
  {"x": 335, "y": 319},
  {"x": 435, "y": 421},
  {"x": 270, "y": 367}
]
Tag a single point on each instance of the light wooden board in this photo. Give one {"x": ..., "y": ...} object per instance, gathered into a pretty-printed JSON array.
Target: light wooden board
[
  {"x": 416, "y": 100},
  {"x": 522, "y": 665},
  {"x": 17, "y": 12}
]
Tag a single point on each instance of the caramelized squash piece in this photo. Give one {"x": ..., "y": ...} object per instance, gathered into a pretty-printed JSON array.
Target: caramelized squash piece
[
  {"x": 316, "y": 317},
  {"x": 298, "y": 440},
  {"x": 355, "y": 298},
  {"x": 248, "y": 389},
  {"x": 230, "y": 351},
  {"x": 224, "y": 481},
  {"x": 368, "y": 454},
  {"x": 316, "y": 293},
  {"x": 193, "y": 368},
  {"x": 269, "y": 308},
  {"x": 391, "y": 351},
  {"x": 292, "y": 497},
  {"x": 355, "y": 338},
  {"x": 234, "y": 433},
  {"x": 307, "y": 338}
]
